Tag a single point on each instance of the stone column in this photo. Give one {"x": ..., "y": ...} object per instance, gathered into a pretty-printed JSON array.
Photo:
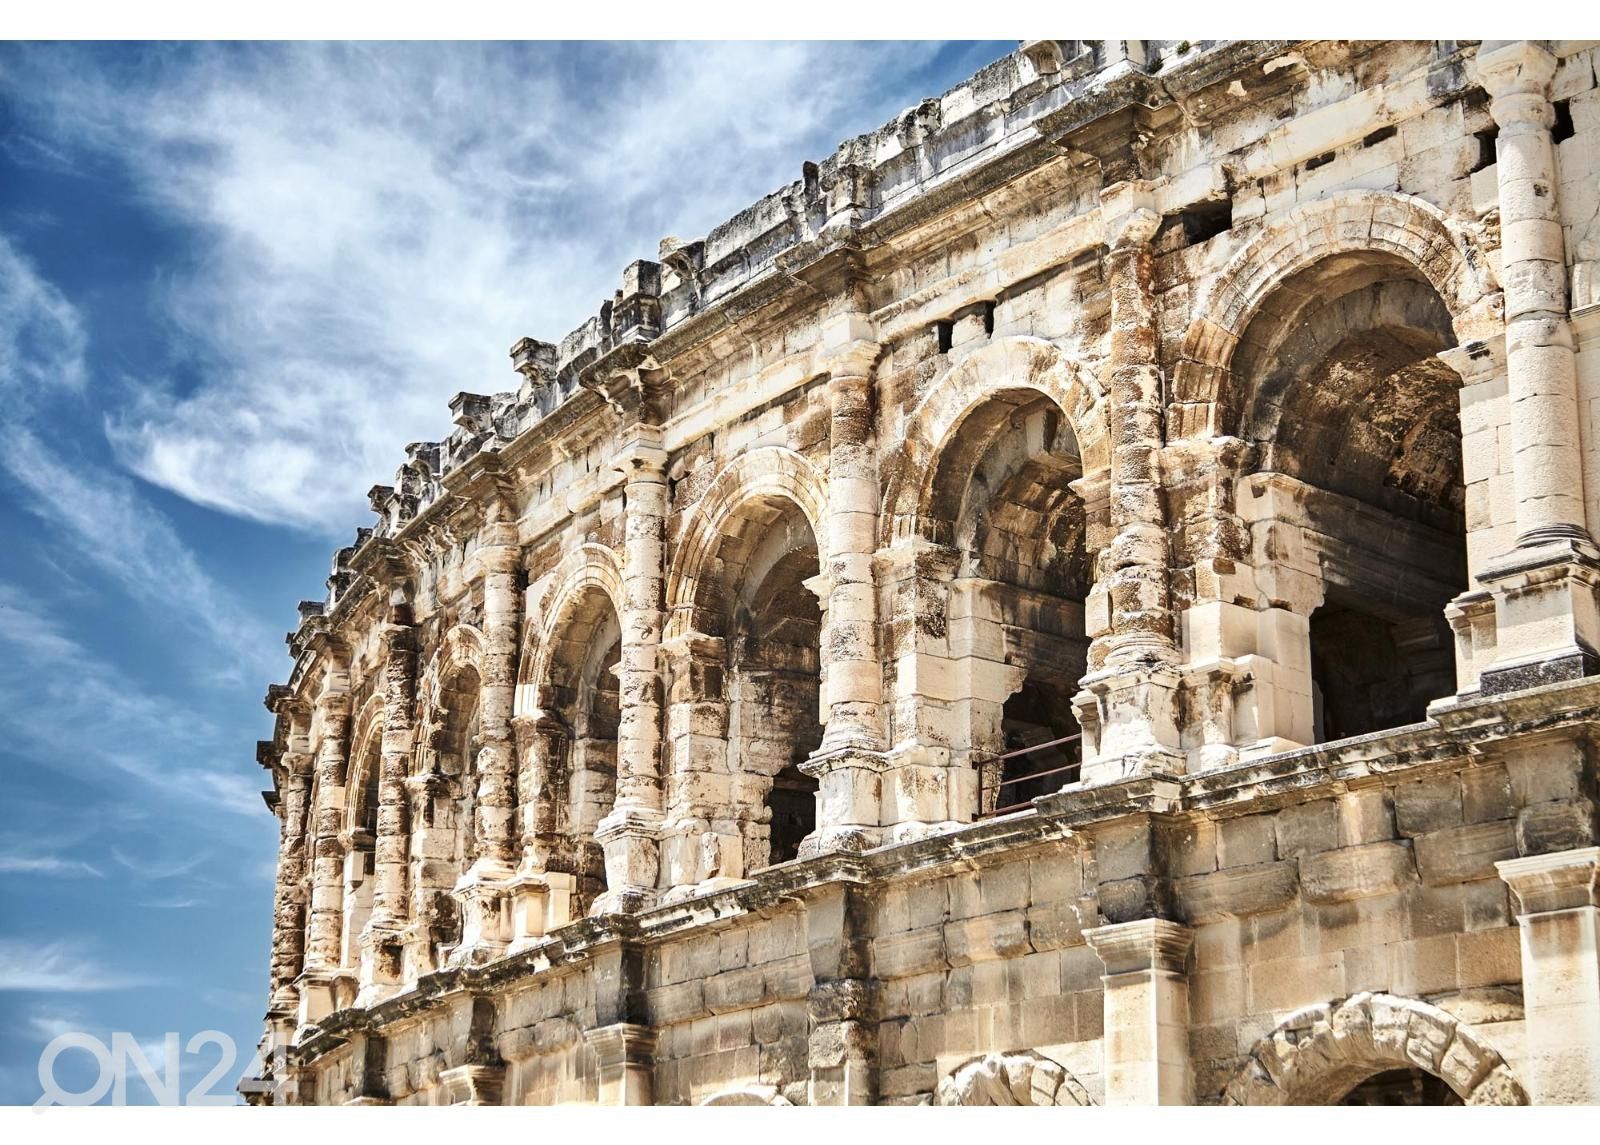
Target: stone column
[
  {"x": 1146, "y": 1011},
  {"x": 1128, "y": 704},
  {"x": 850, "y": 759},
  {"x": 541, "y": 898},
  {"x": 630, "y": 833},
  {"x": 1545, "y": 588},
  {"x": 331, "y": 724},
  {"x": 483, "y": 890},
  {"x": 289, "y": 894},
  {"x": 380, "y": 943},
  {"x": 849, "y": 636},
  {"x": 1558, "y": 909}
]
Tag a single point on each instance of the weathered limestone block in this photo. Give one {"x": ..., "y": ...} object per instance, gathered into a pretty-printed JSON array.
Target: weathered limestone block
[
  {"x": 1461, "y": 854},
  {"x": 1362, "y": 871}
]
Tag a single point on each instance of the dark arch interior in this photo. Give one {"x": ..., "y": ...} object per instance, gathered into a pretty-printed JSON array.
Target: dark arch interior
[
  {"x": 582, "y": 706},
  {"x": 757, "y": 600},
  {"x": 1344, "y": 391},
  {"x": 1408, "y": 1086},
  {"x": 1002, "y": 499}
]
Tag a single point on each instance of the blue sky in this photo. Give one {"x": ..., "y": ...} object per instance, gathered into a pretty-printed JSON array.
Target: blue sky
[{"x": 235, "y": 280}]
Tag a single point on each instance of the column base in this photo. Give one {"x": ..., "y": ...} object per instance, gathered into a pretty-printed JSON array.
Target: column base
[
  {"x": 631, "y": 839},
  {"x": 485, "y": 897},
  {"x": 541, "y": 901},
  {"x": 1129, "y": 722},
  {"x": 382, "y": 959},
  {"x": 322, "y": 992},
  {"x": 1546, "y": 595},
  {"x": 849, "y": 800}
]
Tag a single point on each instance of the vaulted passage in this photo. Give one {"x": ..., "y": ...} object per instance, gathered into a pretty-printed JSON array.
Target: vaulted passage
[
  {"x": 573, "y": 773},
  {"x": 746, "y": 693},
  {"x": 1357, "y": 422},
  {"x": 444, "y": 842},
  {"x": 1002, "y": 500}
]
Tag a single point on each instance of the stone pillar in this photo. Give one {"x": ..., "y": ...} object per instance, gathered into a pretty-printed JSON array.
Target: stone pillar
[
  {"x": 848, "y": 762},
  {"x": 1558, "y": 909},
  {"x": 842, "y": 1046},
  {"x": 630, "y": 833},
  {"x": 850, "y": 662},
  {"x": 700, "y": 842},
  {"x": 1128, "y": 704},
  {"x": 289, "y": 894},
  {"x": 480, "y": 1078},
  {"x": 1547, "y": 618},
  {"x": 1146, "y": 1011},
  {"x": 483, "y": 890},
  {"x": 541, "y": 898},
  {"x": 331, "y": 724},
  {"x": 380, "y": 943}
]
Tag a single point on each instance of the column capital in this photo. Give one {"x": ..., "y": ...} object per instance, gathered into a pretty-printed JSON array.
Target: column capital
[
  {"x": 642, "y": 456},
  {"x": 1128, "y": 209},
  {"x": 1514, "y": 67},
  {"x": 1143, "y": 944},
  {"x": 622, "y": 1042},
  {"x": 853, "y": 359},
  {"x": 474, "y": 1084},
  {"x": 1559, "y": 881}
]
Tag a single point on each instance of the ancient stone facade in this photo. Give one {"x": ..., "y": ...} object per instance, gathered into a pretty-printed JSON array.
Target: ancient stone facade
[{"x": 1087, "y": 597}]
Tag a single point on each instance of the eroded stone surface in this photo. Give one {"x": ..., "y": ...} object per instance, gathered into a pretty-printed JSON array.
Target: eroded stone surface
[{"x": 1215, "y": 414}]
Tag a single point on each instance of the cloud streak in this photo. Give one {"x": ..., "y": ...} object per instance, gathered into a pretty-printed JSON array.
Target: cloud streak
[
  {"x": 57, "y": 967},
  {"x": 69, "y": 708},
  {"x": 379, "y": 223}
]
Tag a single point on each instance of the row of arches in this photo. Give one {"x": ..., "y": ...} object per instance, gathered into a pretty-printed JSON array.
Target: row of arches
[{"x": 1342, "y": 489}]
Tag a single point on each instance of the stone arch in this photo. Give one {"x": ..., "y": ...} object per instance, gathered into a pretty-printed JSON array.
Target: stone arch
[
  {"x": 766, "y": 472},
  {"x": 461, "y": 647},
  {"x": 365, "y": 752},
  {"x": 742, "y": 651},
  {"x": 567, "y": 715},
  {"x": 1017, "y": 363},
  {"x": 1318, "y": 1054},
  {"x": 1021, "y": 1077},
  {"x": 1352, "y": 222},
  {"x": 589, "y": 567},
  {"x": 748, "y": 1095}
]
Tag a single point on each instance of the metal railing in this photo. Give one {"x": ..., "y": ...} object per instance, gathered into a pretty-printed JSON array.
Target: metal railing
[{"x": 983, "y": 788}]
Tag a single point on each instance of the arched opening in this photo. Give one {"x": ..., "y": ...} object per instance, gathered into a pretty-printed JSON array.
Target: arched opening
[
  {"x": 443, "y": 845},
  {"x": 1373, "y": 1049},
  {"x": 746, "y": 696},
  {"x": 1002, "y": 500},
  {"x": 1357, "y": 497},
  {"x": 1410, "y": 1086},
  {"x": 360, "y": 857},
  {"x": 580, "y": 706}
]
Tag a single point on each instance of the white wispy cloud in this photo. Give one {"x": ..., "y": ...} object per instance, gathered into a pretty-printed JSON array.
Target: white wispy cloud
[
  {"x": 71, "y": 708},
  {"x": 58, "y": 967},
  {"x": 377, "y": 224},
  {"x": 98, "y": 515},
  {"x": 41, "y": 336},
  {"x": 47, "y": 865}
]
